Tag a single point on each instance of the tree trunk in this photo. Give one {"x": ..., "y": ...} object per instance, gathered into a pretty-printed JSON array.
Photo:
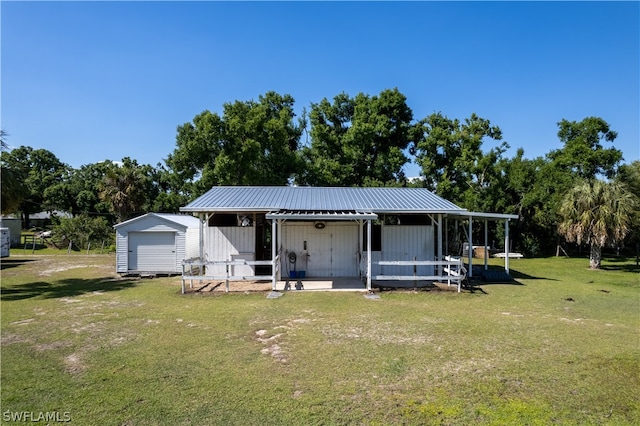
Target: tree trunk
[{"x": 595, "y": 257}]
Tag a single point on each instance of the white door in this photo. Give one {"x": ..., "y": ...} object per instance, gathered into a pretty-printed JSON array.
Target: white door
[
  {"x": 332, "y": 251},
  {"x": 320, "y": 255},
  {"x": 152, "y": 251}
]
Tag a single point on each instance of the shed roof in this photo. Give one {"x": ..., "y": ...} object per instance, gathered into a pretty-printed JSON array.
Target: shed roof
[{"x": 310, "y": 199}]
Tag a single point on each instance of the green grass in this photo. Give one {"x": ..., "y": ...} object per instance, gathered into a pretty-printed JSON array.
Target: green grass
[{"x": 559, "y": 347}]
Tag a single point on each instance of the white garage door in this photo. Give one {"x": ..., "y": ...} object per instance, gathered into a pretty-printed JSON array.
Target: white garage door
[{"x": 152, "y": 251}]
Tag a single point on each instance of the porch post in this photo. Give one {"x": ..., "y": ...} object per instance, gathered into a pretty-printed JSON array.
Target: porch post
[
  {"x": 446, "y": 236},
  {"x": 486, "y": 245},
  {"x": 201, "y": 221},
  {"x": 439, "y": 269},
  {"x": 506, "y": 245},
  {"x": 274, "y": 255},
  {"x": 369, "y": 254},
  {"x": 470, "y": 251}
]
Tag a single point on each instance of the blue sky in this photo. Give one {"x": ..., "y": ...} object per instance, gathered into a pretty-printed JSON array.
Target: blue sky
[{"x": 91, "y": 81}]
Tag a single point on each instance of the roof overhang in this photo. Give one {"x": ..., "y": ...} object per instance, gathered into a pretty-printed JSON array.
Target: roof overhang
[
  {"x": 320, "y": 215},
  {"x": 483, "y": 216}
]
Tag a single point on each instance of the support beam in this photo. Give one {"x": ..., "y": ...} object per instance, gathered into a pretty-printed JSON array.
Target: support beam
[
  {"x": 446, "y": 236},
  {"x": 201, "y": 218},
  {"x": 506, "y": 245},
  {"x": 486, "y": 244},
  {"x": 369, "y": 254},
  {"x": 274, "y": 255},
  {"x": 470, "y": 251},
  {"x": 439, "y": 268}
]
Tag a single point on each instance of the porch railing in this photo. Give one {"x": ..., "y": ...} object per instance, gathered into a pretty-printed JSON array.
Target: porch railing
[
  {"x": 451, "y": 270},
  {"x": 196, "y": 269}
]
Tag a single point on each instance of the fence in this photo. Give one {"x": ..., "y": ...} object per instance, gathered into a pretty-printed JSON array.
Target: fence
[
  {"x": 451, "y": 270},
  {"x": 195, "y": 269}
]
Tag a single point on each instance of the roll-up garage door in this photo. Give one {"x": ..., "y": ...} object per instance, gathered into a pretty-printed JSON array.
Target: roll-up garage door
[{"x": 152, "y": 251}]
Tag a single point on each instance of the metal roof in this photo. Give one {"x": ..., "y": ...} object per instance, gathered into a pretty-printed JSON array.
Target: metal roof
[
  {"x": 320, "y": 199},
  {"x": 320, "y": 215},
  {"x": 186, "y": 221}
]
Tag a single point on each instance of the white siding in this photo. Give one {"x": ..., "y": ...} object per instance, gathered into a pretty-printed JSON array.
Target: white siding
[
  {"x": 404, "y": 242},
  {"x": 192, "y": 243},
  {"x": 224, "y": 242},
  {"x": 185, "y": 239}
]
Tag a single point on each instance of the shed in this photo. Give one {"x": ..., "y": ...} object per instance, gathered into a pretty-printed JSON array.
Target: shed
[
  {"x": 156, "y": 243},
  {"x": 15, "y": 229}
]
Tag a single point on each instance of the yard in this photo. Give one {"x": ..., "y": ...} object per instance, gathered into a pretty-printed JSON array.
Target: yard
[{"x": 560, "y": 346}]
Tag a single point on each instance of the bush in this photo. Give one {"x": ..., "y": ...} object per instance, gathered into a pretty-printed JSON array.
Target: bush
[{"x": 83, "y": 230}]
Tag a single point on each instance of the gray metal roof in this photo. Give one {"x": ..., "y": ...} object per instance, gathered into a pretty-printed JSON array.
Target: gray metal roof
[
  {"x": 309, "y": 199},
  {"x": 186, "y": 221}
]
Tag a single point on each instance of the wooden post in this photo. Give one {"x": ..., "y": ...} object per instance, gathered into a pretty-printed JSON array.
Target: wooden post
[
  {"x": 486, "y": 245},
  {"x": 273, "y": 255},
  {"x": 415, "y": 273},
  {"x": 470, "y": 251},
  {"x": 506, "y": 245},
  {"x": 439, "y": 268},
  {"x": 369, "y": 254},
  {"x": 227, "y": 280}
]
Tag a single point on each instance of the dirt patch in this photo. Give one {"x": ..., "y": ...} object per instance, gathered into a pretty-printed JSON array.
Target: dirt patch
[
  {"x": 11, "y": 338},
  {"x": 73, "y": 364},
  {"x": 217, "y": 287}
]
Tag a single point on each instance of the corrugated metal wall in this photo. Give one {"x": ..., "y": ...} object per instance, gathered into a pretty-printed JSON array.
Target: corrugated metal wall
[
  {"x": 152, "y": 224},
  {"x": 192, "y": 243},
  {"x": 225, "y": 242},
  {"x": 404, "y": 242}
]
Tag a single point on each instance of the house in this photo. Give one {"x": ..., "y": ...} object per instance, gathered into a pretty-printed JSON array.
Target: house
[
  {"x": 375, "y": 234},
  {"x": 156, "y": 243}
]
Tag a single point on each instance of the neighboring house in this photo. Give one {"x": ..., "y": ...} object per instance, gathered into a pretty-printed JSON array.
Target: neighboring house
[
  {"x": 156, "y": 243},
  {"x": 326, "y": 232}
]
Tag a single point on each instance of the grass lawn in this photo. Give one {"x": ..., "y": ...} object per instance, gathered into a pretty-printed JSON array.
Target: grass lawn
[{"x": 560, "y": 346}]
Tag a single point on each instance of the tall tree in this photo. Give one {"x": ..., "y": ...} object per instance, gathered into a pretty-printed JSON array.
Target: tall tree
[
  {"x": 583, "y": 153},
  {"x": 252, "y": 143},
  {"x": 629, "y": 175},
  {"x": 78, "y": 193},
  {"x": 38, "y": 169},
  {"x": 454, "y": 164},
  {"x": 13, "y": 189},
  {"x": 126, "y": 188},
  {"x": 358, "y": 141},
  {"x": 598, "y": 213}
]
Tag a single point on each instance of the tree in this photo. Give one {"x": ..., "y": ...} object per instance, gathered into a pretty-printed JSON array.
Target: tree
[
  {"x": 37, "y": 169},
  {"x": 453, "y": 162},
  {"x": 597, "y": 213},
  {"x": 358, "y": 141},
  {"x": 583, "y": 153},
  {"x": 126, "y": 188},
  {"x": 13, "y": 189},
  {"x": 629, "y": 175},
  {"x": 252, "y": 143},
  {"x": 82, "y": 230}
]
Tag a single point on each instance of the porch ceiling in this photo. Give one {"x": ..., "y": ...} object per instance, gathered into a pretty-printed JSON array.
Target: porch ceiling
[{"x": 320, "y": 215}]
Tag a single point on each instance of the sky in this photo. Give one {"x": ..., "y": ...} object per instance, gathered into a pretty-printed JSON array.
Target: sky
[{"x": 91, "y": 81}]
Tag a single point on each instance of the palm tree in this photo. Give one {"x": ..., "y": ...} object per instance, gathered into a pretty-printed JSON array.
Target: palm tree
[
  {"x": 597, "y": 213},
  {"x": 123, "y": 188}
]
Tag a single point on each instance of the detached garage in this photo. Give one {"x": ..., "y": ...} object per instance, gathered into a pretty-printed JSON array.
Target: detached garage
[{"x": 156, "y": 243}]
